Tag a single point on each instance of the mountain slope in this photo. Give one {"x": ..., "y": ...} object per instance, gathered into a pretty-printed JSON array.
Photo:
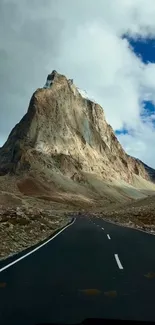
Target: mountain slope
[{"x": 64, "y": 139}]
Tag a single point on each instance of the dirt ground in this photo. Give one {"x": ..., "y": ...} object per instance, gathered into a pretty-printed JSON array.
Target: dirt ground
[
  {"x": 25, "y": 222},
  {"x": 138, "y": 214}
]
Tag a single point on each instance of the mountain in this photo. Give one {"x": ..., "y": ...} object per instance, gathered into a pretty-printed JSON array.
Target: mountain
[
  {"x": 150, "y": 171},
  {"x": 63, "y": 144}
]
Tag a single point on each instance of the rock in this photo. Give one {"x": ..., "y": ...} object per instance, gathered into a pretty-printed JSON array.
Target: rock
[
  {"x": 23, "y": 221},
  {"x": 42, "y": 227},
  {"x": 76, "y": 141}
]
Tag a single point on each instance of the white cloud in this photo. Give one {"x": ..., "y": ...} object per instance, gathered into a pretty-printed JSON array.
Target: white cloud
[{"x": 83, "y": 40}]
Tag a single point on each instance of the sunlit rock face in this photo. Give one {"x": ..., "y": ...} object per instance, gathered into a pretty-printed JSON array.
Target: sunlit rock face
[{"x": 66, "y": 132}]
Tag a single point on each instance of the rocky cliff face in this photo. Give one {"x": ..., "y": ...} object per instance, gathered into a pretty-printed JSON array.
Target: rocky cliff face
[{"x": 64, "y": 133}]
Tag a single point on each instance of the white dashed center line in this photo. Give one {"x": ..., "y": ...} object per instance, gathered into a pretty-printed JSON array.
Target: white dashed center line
[
  {"x": 118, "y": 262},
  {"x": 102, "y": 228},
  {"x": 108, "y": 236}
]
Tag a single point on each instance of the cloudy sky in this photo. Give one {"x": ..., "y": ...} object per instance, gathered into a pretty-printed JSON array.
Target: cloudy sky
[{"x": 108, "y": 47}]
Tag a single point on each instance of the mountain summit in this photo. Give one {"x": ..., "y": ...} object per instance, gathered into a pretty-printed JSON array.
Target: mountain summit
[{"x": 64, "y": 139}]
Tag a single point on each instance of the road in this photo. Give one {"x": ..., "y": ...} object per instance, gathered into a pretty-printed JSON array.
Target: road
[{"x": 91, "y": 269}]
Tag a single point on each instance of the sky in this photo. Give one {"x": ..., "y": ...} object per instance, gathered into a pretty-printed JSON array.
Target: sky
[{"x": 107, "y": 47}]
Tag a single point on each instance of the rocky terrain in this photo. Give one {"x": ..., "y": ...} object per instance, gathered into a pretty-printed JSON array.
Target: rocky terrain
[
  {"x": 26, "y": 221},
  {"x": 21, "y": 228},
  {"x": 139, "y": 214},
  {"x": 63, "y": 156}
]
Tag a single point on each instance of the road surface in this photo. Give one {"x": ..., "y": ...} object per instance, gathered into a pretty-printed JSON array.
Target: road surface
[{"x": 91, "y": 269}]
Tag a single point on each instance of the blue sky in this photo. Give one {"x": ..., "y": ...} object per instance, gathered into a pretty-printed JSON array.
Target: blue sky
[
  {"x": 144, "y": 48},
  {"x": 121, "y": 131},
  {"x": 84, "y": 42}
]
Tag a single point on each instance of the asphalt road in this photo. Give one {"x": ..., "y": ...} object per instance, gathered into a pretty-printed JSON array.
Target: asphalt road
[{"x": 91, "y": 269}]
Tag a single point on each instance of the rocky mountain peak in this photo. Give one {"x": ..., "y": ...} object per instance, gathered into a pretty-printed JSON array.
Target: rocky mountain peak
[
  {"x": 64, "y": 133},
  {"x": 52, "y": 75},
  {"x": 51, "y": 78}
]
